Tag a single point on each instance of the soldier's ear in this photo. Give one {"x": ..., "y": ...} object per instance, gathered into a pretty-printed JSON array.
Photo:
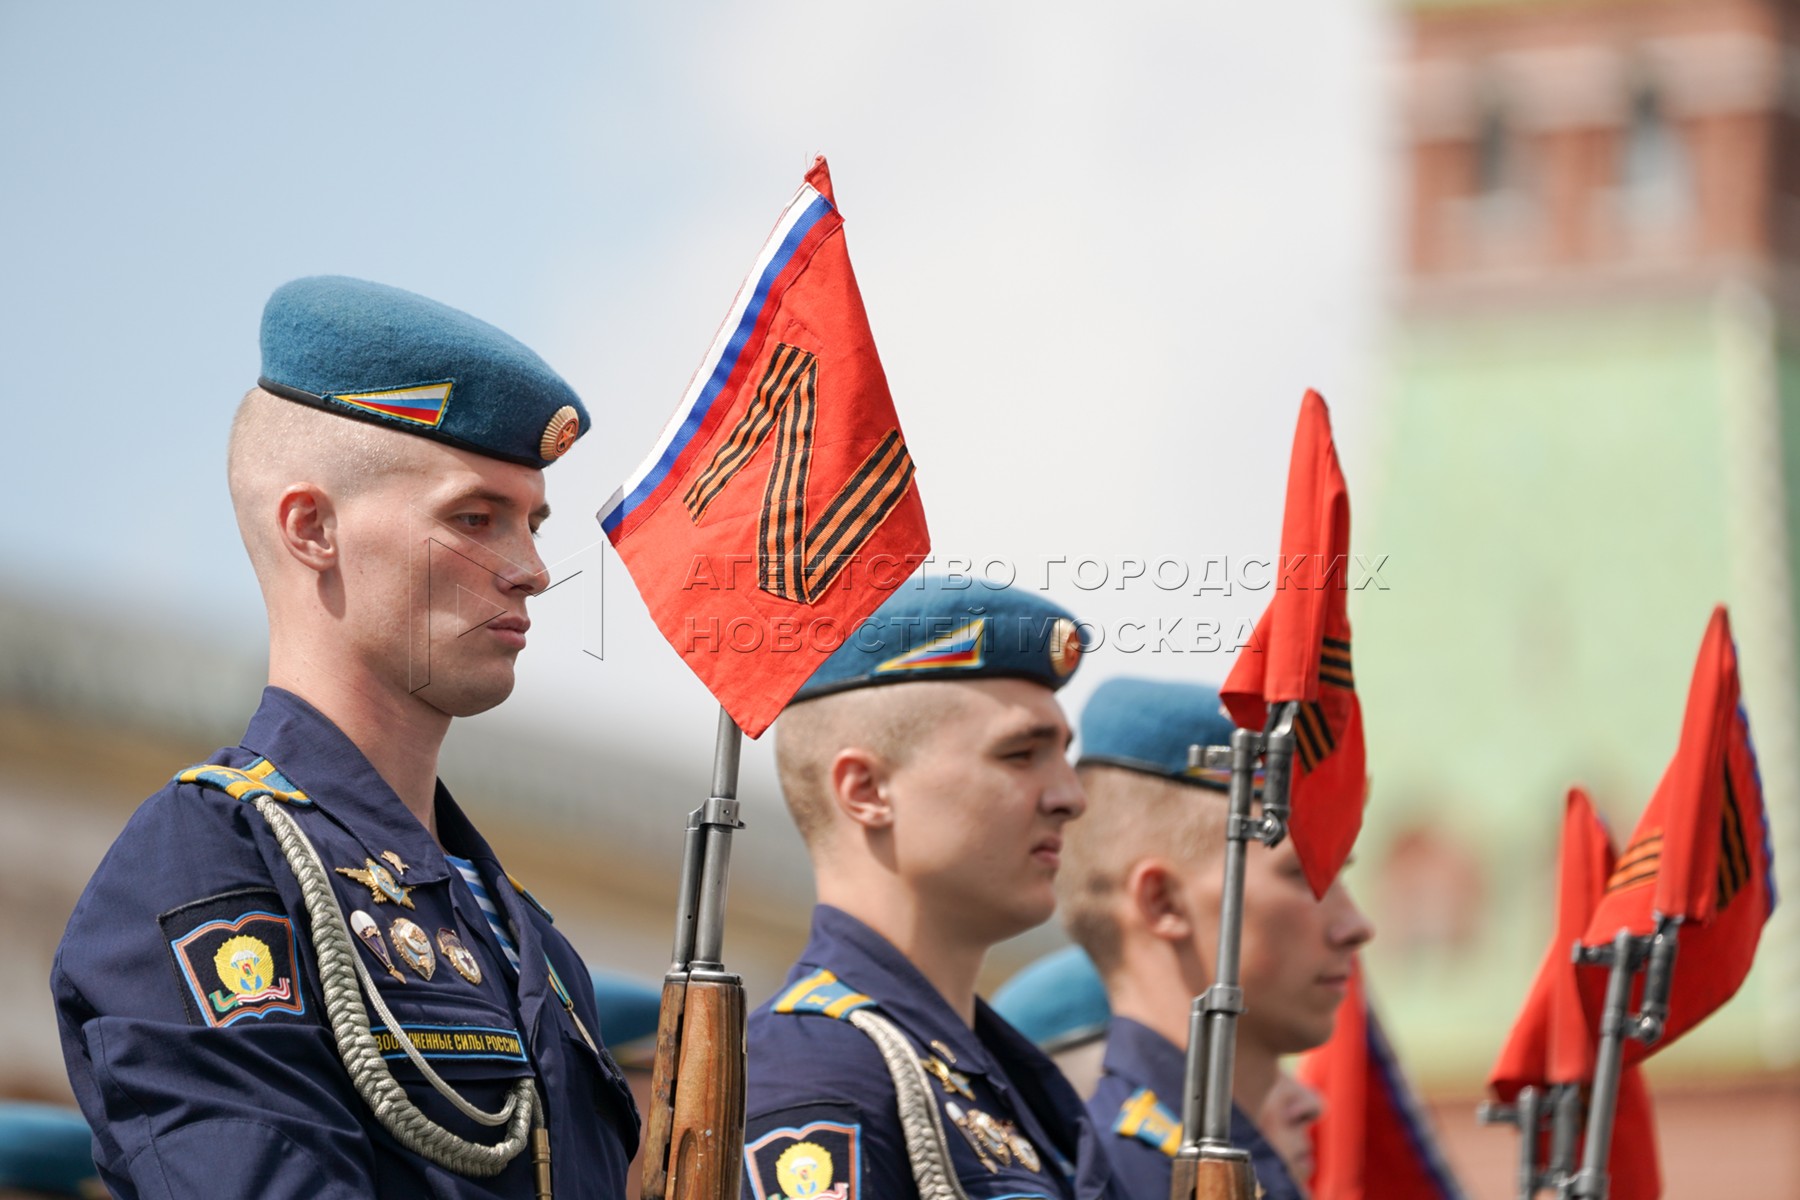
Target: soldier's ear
[
  {"x": 1158, "y": 902},
  {"x": 307, "y": 525},
  {"x": 858, "y": 787}
]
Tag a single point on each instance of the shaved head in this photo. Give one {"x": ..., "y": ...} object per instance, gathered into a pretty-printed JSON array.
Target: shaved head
[
  {"x": 890, "y": 721},
  {"x": 1131, "y": 816},
  {"x": 276, "y": 442}
]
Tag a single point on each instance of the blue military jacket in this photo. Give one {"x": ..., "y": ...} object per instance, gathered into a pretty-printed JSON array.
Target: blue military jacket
[
  {"x": 1139, "y": 1099},
  {"x": 823, "y": 1118},
  {"x": 188, "y": 1001}
]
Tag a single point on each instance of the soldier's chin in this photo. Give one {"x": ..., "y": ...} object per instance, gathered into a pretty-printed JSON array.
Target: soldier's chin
[{"x": 469, "y": 698}]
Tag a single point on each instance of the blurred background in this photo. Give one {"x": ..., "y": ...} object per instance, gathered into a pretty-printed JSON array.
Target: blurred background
[{"x": 1537, "y": 255}]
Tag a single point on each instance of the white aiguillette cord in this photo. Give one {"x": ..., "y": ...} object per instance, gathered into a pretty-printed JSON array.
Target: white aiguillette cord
[
  {"x": 344, "y": 978},
  {"x": 927, "y": 1149}
]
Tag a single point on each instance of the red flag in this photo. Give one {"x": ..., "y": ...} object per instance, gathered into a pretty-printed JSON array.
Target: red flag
[
  {"x": 1553, "y": 1042},
  {"x": 778, "y": 508},
  {"x": 1301, "y": 651},
  {"x": 1373, "y": 1142},
  {"x": 1700, "y": 852}
]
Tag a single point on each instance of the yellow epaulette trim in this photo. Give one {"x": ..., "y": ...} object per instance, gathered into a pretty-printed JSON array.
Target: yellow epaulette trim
[
  {"x": 1144, "y": 1118},
  {"x": 260, "y": 778},
  {"x": 821, "y": 993}
]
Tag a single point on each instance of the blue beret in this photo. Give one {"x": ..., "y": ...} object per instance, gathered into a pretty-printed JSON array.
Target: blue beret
[
  {"x": 1147, "y": 725},
  {"x": 44, "y": 1148},
  {"x": 1056, "y": 1001},
  {"x": 628, "y": 1012},
  {"x": 930, "y": 630},
  {"x": 399, "y": 360}
]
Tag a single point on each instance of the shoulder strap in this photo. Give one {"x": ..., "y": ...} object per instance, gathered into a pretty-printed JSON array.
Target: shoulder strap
[
  {"x": 823, "y": 994},
  {"x": 527, "y": 896},
  {"x": 1143, "y": 1117},
  {"x": 260, "y": 778}
]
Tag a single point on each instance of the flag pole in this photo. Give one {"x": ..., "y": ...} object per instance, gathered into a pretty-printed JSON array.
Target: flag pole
[{"x": 1212, "y": 1024}]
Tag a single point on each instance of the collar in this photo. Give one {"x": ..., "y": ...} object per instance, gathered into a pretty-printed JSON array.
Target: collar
[
  {"x": 874, "y": 966},
  {"x": 1145, "y": 1058},
  {"x": 307, "y": 747}
]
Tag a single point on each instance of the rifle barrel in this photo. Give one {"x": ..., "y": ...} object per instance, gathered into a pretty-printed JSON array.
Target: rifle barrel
[{"x": 1591, "y": 1182}]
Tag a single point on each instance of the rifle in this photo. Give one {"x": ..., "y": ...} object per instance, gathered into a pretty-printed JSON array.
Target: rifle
[
  {"x": 1626, "y": 955},
  {"x": 1555, "y": 1110},
  {"x": 1558, "y": 1109},
  {"x": 1208, "y": 1166},
  {"x": 694, "y": 1134}
]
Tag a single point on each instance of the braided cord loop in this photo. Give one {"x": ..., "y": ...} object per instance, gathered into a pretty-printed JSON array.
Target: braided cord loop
[
  {"x": 343, "y": 979},
  {"x": 926, "y": 1147}
]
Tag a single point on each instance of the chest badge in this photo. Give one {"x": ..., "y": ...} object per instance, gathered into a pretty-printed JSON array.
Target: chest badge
[
  {"x": 380, "y": 883},
  {"x": 458, "y": 955},
  {"x": 365, "y": 928},
  {"x": 954, "y": 1082},
  {"x": 394, "y": 860},
  {"x": 996, "y": 1143},
  {"x": 413, "y": 947},
  {"x": 959, "y": 1117}
]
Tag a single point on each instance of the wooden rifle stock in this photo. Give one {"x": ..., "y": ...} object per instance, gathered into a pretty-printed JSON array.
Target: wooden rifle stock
[
  {"x": 1212, "y": 1179},
  {"x": 707, "y": 1150},
  {"x": 661, "y": 1118}
]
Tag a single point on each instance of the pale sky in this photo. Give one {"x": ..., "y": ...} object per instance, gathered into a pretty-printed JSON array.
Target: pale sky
[{"x": 1104, "y": 250}]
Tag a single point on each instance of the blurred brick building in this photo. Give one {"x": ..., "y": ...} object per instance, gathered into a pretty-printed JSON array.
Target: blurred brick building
[{"x": 1591, "y": 436}]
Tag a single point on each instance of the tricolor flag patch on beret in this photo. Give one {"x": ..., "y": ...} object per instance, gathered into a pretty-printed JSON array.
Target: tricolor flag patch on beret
[
  {"x": 421, "y": 404},
  {"x": 961, "y": 647}
]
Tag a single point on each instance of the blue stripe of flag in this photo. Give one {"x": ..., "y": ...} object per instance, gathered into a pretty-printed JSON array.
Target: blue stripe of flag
[{"x": 715, "y": 383}]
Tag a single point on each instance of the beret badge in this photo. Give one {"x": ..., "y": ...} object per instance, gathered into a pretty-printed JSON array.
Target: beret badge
[
  {"x": 1065, "y": 646},
  {"x": 560, "y": 433}
]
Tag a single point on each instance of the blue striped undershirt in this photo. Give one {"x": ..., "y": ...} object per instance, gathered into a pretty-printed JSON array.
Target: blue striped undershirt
[{"x": 472, "y": 877}]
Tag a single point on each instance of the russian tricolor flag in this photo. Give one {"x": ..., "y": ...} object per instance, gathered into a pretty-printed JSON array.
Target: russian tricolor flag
[
  {"x": 778, "y": 508},
  {"x": 808, "y": 220}
]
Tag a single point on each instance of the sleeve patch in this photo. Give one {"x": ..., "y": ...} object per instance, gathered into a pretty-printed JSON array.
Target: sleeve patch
[
  {"x": 235, "y": 956},
  {"x": 820, "y": 1160}
]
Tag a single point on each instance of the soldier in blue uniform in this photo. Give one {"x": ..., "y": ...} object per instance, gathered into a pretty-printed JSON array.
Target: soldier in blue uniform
[
  {"x": 925, "y": 764},
  {"x": 1140, "y": 892},
  {"x": 300, "y": 971}
]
